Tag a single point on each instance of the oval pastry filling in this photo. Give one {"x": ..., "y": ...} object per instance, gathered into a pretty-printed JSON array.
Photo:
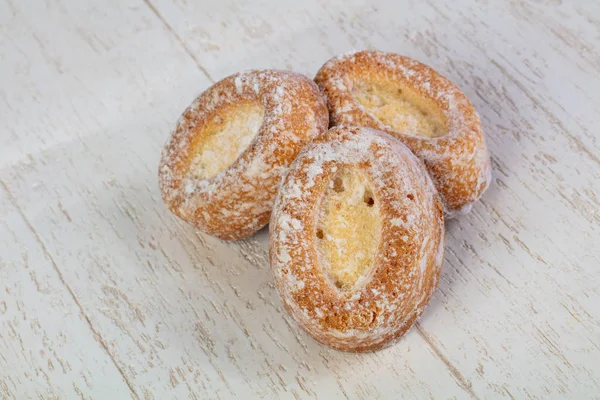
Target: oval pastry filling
[
  {"x": 400, "y": 108},
  {"x": 225, "y": 137},
  {"x": 348, "y": 229}
]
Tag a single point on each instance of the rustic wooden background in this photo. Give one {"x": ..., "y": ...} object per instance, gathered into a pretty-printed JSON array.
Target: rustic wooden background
[{"x": 104, "y": 294}]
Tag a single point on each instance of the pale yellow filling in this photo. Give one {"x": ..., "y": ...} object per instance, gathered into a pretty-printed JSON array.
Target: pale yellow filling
[
  {"x": 225, "y": 138},
  {"x": 401, "y": 108},
  {"x": 349, "y": 228}
]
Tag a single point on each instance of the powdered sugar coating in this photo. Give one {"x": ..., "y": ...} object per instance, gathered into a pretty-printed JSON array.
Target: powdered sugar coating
[
  {"x": 409, "y": 258},
  {"x": 458, "y": 161},
  {"x": 237, "y": 201}
]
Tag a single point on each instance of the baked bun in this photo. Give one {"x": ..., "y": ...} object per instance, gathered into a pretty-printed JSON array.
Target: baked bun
[
  {"x": 414, "y": 103},
  {"x": 222, "y": 165},
  {"x": 356, "y": 239}
]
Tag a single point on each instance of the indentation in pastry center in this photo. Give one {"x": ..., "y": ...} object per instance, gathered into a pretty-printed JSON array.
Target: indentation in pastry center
[
  {"x": 225, "y": 137},
  {"x": 349, "y": 228},
  {"x": 401, "y": 108}
]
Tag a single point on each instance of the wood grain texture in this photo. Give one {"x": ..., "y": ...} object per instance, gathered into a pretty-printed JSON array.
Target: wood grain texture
[
  {"x": 105, "y": 294},
  {"x": 47, "y": 346}
]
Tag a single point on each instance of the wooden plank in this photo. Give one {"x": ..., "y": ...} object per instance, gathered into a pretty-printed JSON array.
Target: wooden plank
[
  {"x": 516, "y": 313},
  {"x": 94, "y": 87},
  {"x": 47, "y": 347},
  {"x": 71, "y": 62},
  {"x": 180, "y": 314}
]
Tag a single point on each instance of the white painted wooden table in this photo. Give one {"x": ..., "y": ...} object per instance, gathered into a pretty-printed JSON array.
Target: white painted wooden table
[{"x": 105, "y": 295}]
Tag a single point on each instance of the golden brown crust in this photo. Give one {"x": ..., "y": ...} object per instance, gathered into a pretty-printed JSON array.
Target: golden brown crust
[
  {"x": 458, "y": 161},
  {"x": 383, "y": 306},
  {"x": 237, "y": 201}
]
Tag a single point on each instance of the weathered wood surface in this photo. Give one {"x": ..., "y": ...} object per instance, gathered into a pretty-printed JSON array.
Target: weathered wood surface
[{"x": 104, "y": 294}]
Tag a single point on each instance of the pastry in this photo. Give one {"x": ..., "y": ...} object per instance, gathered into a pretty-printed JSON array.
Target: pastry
[
  {"x": 423, "y": 109},
  {"x": 356, "y": 239},
  {"x": 221, "y": 167}
]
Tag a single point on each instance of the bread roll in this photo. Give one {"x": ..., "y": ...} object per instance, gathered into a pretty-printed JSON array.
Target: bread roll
[
  {"x": 414, "y": 103},
  {"x": 222, "y": 165},
  {"x": 356, "y": 239}
]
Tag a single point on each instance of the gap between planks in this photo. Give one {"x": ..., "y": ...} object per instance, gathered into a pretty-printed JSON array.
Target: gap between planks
[
  {"x": 179, "y": 39},
  {"x": 96, "y": 334},
  {"x": 460, "y": 379}
]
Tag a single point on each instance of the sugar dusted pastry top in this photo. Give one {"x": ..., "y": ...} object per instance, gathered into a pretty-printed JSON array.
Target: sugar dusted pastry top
[
  {"x": 391, "y": 213},
  {"x": 222, "y": 165},
  {"x": 414, "y": 103}
]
